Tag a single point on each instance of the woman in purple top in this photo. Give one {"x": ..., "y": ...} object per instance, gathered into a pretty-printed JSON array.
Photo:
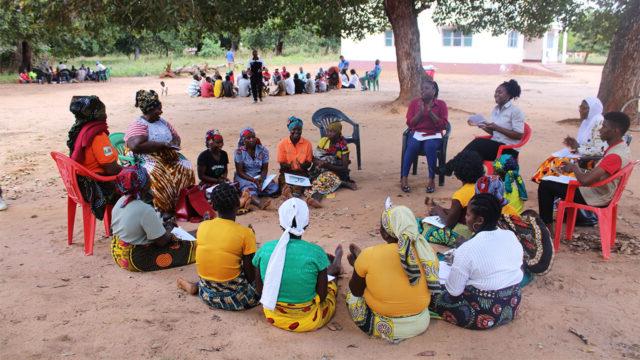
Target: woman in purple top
[
  {"x": 252, "y": 165},
  {"x": 427, "y": 119}
]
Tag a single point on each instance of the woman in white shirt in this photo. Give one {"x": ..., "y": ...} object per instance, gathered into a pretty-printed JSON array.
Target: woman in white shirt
[
  {"x": 506, "y": 126},
  {"x": 482, "y": 290}
]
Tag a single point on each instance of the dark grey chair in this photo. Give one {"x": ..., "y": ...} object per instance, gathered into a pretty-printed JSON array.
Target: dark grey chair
[
  {"x": 325, "y": 116},
  {"x": 442, "y": 153}
]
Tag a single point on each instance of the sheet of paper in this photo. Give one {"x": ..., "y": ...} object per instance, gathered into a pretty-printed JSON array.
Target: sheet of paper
[
  {"x": 476, "y": 119},
  {"x": 434, "y": 220},
  {"x": 296, "y": 180},
  {"x": 330, "y": 277},
  {"x": 182, "y": 234},
  {"x": 268, "y": 180},
  {"x": 422, "y": 137},
  {"x": 565, "y": 153},
  {"x": 443, "y": 274},
  {"x": 563, "y": 179}
]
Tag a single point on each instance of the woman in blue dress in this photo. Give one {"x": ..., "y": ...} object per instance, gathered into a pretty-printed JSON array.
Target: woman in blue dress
[{"x": 252, "y": 165}]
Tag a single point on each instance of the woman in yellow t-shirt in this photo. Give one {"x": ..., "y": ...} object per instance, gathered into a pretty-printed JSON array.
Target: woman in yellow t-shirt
[
  {"x": 468, "y": 168},
  {"x": 217, "y": 87},
  {"x": 224, "y": 253},
  {"x": 389, "y": 293}
]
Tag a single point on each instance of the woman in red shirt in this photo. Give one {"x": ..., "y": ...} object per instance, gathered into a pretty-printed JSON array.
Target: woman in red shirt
[{"x": 427, "y": 118}]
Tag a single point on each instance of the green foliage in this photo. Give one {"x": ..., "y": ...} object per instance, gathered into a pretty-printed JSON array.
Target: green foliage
[
  {"x": 593, "y": 31},
  {"x": 211, "y": 48}
]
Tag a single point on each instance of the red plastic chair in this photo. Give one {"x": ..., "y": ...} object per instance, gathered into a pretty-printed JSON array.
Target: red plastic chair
[
  {"x": 607, "y": 216},
  {"x": 69, "y": 171},
  {"x": 525, "y": 139}
]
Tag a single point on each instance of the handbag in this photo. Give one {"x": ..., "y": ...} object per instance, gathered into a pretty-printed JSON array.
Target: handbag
[{"x": 193, "y": 206}]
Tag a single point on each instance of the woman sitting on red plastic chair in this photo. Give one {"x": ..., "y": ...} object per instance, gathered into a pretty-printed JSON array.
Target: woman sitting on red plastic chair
[
  {"x": 506, "y": 125},
  {"x": 617, "y": 155},
  {"x": 89, "y": 146}
]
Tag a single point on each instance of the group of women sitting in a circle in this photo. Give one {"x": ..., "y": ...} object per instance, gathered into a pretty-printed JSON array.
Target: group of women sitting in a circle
[{"x": 396, "y": 287}]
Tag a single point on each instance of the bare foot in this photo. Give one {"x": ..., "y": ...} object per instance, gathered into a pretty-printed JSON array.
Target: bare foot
[
  {"x": 189, "y": 287},
  {"x": 245, "y": 199},
  {"x": 314, "y": 203},
  {"x": 336, "y": 267},
  {"x": 264, "y": 204},
  {"x": 350, "y": 185},
  {"x": 286, "y": 192},
  {"x": 354, "y": 251}
]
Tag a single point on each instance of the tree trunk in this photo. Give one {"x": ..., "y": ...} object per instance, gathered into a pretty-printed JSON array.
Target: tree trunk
[
  {"x": 199, "y": 46},
  {"x": 621, "y": 73},
  {"x": 136, "y": 53},
  {"x": 279, "y": 46},
  {"x": 586, "y": 56},
  {"x": 406, "y": 36},
  {"x": 25, "y": 55},
  {"x": 235, "y": 41}
]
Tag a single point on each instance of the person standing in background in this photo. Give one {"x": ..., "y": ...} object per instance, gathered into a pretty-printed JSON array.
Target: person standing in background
[
  {"x": 230, "y": 59},
  {"x": 255, "y": 67}
]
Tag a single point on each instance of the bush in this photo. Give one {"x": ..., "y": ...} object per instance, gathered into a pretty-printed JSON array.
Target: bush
[{"x": 211, "y": 48}]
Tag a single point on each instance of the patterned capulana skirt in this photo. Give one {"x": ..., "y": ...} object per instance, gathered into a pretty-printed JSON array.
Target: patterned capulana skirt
[
  {"x": 235, "y": 294},
  {"x": 152, "y": 257},
  {"x": 477, "y": 309}
]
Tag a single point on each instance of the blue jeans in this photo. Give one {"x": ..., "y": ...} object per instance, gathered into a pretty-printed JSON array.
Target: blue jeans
[{"x": 429, "y": 147}]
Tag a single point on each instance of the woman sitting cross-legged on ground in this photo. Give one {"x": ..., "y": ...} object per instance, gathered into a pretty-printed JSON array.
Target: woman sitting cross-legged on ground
[
  {"x": 90, "y": 146},
  {"x": 467, "y": 167},
  {"x": 587, "y": 144},
  {"x": 389, "y": 290},
  {"x": 330, "y": 165},
  {"x": 155, "y": 144},
  {"x": 252, "y": 165},
  {"x": 482, "y": 290},
  {"x": 213, "y": 162},
  {"x": 297, "y": 294},
  {"x": 427, "y": 118},
  {"x": 140, "y": 241},
  {"x": 295, "y": 156},
  {"x": 506, "y": 125},
  {"x": 223, "y": 257}
]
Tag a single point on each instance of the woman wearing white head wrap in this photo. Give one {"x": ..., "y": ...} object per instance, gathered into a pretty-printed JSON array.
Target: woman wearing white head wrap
[
  {"x": 293, "y": 274},
  {"x": 586, "y": 145}
]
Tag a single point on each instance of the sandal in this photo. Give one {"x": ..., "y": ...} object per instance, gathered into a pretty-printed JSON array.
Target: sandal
[
  {"x": 406, "y": 188},
  {"x": 430, "y": 189}
]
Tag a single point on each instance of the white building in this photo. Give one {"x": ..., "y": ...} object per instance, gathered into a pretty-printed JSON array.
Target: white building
[{"x": 446, "y": 45}]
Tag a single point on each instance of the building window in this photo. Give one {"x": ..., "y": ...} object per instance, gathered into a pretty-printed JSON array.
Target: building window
[
  {"x": 512, "y": 39},
  {"x": 388, "y": 38},
  {"x": 456, "y": 38}
]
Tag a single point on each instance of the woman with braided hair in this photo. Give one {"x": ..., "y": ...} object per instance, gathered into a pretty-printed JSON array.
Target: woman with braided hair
[
  {"x": 140, "y": 240},
  {"x": 224, "y": 255},
  {"x": 155, "y": 145},
  {"x": 482, "y": 290},
  {"x": 89, "y": 146}
]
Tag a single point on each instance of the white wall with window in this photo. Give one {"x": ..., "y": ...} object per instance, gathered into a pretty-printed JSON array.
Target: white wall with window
[{"x": 449, "y": 45}]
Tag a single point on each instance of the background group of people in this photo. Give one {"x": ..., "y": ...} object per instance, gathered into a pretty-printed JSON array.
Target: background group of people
[
  {"x": 62, "y": 73},
  {"x": 256, "y": 79}
]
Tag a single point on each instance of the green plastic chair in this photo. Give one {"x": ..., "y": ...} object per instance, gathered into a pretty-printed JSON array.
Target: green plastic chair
[
  {"x": 374, "y": 84},
  {"x": 117, "y": 140}
]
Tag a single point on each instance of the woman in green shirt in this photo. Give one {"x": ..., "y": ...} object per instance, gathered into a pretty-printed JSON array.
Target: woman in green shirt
[{"x": 295, "y": 277}]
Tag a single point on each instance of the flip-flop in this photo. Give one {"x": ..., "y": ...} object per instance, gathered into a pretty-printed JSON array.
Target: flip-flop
[
  {"x": 430, "y": 189},
  {"x": 406, "y": 189}
]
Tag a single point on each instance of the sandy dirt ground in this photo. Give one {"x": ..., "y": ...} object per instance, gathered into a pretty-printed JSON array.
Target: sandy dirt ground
[{"x": 57, "y": 303}]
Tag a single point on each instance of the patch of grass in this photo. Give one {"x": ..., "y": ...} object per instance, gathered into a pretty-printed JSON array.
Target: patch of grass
[
  {"x": 154, "y": 65},
  {"x": 593, "y": 59}
]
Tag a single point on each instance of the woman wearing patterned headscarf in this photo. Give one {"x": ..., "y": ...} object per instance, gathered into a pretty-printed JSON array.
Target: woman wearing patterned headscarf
[
  {"x": 330, "y": 169},
  {"x": 587, "y": 144},
  {"x": 295, "y": 155},
  {"x": 155, "y": 144},
  {"x": 390, "y": 289},
  {"x": 89, "y": 145},
  {"x": 140, "y": 241},
  {"x": 213, "y": 162},
  {"x": 252, "y": 165}
]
